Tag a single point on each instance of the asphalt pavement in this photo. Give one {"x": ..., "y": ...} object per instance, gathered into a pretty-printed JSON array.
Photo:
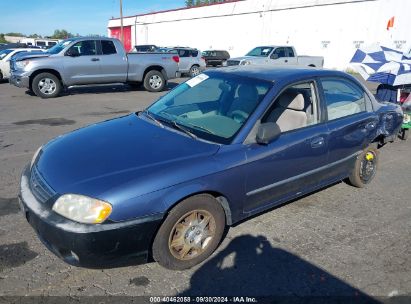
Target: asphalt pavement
[{"x": 338, "y": 241}]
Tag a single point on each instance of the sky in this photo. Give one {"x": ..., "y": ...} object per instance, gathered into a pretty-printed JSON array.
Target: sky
[{"x": 76, "y": 16}]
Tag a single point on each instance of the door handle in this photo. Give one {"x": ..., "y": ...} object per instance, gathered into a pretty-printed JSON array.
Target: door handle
[
  {"x": 317, "y": 142},
  {"x": 95, "y": 59},
  {"x": 286, "y": 60}
]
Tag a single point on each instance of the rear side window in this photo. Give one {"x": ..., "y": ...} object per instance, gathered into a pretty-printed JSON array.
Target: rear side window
[
  {"x": 194, "y": 53},
  {"x": 290, "y": 52},
  {"x": 183, "y": 53},
  {"x": 343, "y": 98},
  {"x": 108, "y": 47}
]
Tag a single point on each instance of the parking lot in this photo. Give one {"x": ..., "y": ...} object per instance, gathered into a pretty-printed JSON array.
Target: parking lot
[{"x": 338, "y": 241}]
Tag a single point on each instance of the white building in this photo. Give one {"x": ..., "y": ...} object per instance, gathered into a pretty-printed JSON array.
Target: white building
[{"x": 329, "y": 28}]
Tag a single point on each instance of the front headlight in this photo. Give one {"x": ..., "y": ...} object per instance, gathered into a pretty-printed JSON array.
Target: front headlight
[
  {"x": 82, "y": 209},
  {"x": 36, "y": 154},
  {"x": 245, "y": 62},
  {"x": 21, "y": 64},
  {"x": 407, "y": 118}
]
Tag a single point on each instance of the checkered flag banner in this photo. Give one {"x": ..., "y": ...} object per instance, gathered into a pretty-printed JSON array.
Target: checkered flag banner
[{"x": 383, "y": 65}]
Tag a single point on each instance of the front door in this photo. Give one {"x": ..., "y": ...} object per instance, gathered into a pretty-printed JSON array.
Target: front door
[
  {"x": 293, "y": 163},
  {"x": 83, "y": 64}
]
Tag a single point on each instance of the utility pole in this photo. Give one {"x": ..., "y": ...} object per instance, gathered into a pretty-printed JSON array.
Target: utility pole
[{"x": 121, "y": 22}]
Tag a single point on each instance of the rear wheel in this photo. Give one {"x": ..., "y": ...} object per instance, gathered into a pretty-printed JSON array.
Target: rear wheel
[
  {"x": 154, "y": 81},
  {"x": 194, "y": 70},
  {"x": 190, "y": 234},
  {"x": 365, "y": 168},
  {"x": 46, "y": 85}
]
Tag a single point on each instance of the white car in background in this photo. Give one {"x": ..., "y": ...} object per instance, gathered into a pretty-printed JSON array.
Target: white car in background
[
  {"x": 191, "y": 61},
  {"x": 6, "y": 55}
]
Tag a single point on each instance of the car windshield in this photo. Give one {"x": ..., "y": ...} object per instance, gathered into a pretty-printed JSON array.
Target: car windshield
[
  {"x": 4, "y": 53},
  {"x": 60, "y": 46},
  {"x": 261, "y": 51},
  {"x": 212, "y": 106}
]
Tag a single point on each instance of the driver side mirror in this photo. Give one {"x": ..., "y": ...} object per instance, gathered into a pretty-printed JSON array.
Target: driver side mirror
[
  {"x": 267, "y": 133},
  {"x": 274, "y": 56},
  {"x": 72, "y": 53}
]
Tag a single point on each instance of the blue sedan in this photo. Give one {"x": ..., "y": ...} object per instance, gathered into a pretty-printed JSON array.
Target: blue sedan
[{"x": 165, "y": 183}]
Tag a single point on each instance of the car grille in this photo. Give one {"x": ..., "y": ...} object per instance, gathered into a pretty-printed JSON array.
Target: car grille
[
  {"x": 39, "y": 187},
  {"x": 233, "y": 62}
]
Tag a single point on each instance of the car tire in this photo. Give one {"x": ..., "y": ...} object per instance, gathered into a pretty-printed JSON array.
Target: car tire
[
  {"x": 182, "y": 240},
  {"x": 46, "y": 85},
  {"x": 154, "y": 81},
  {"x": 404, "y": 134},
  {"x": 194, "y": 70},
  {"x": 365, "y": 168}
]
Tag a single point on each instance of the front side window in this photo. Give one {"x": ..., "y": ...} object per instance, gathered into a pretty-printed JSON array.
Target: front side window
[
  {"x": 84, "y": 48},
  {"x": 295, "y": 108},
  {"x": 343, "y": 98},
  {"x": 108, "y": 47},
  {"x": 213, "y": 106}
]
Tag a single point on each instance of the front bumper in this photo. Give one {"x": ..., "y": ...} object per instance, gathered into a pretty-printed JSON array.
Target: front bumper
[
  {"x": 87, "y": 245},
  {"x": 20, "y": 81}
]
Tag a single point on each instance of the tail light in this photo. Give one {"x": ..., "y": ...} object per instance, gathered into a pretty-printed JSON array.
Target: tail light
[{"x": 176, "y": 59}]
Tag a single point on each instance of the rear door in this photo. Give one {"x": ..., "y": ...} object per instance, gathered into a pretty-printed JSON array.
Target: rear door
[
  {"x": 352, "y": 123},
  {"x": 292, "y": 164},
  {"x": 84, "y": 66},
  {"x": 113, "y": 63},
  {"x": 185, "y": 60}
]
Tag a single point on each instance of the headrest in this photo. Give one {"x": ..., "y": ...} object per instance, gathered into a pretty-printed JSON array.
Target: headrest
[
  {"x": 292, "y": 100},
  {"x": 248, "y": 92}
]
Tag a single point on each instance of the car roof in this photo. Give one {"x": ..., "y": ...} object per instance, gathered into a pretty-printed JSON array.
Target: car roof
[{"x": 273, "y": 74}]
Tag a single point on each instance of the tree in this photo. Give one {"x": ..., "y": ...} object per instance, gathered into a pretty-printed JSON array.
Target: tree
[
  {"x": 2, "y": 39},
  {"x": 191, "y": 3},
  {"x": 14, "y": 34},
  {"x": 34, "y": 36},
  {"x": 61, "y": 34}
]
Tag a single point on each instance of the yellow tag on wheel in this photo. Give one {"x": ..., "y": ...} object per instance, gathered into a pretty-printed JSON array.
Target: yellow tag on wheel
[{"x": 369, "y": 156}]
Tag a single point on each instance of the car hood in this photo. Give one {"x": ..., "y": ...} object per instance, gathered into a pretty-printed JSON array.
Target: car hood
[
  {"x": 113, "y": 154},
  {"x": 30, "y": 55}
]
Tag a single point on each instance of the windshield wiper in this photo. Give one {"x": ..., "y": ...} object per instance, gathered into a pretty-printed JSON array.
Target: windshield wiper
[
  {"x": 180, "y": 127},
  {"x": 147, "y": 113},
  {"x": 202, "y": 128}
]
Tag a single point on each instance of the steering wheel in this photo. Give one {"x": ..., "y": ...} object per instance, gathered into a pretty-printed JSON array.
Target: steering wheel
[{"x": 239, "y": 116}]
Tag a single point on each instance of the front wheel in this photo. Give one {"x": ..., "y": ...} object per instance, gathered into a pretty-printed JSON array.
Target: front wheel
[
  {"x": 190, "y": 233},
  {"x": 404, "y": 134},
  {"x": 46, "y": 85},
  {"x": 365, "y": 168},
  {"x": 154, "y": 81}
]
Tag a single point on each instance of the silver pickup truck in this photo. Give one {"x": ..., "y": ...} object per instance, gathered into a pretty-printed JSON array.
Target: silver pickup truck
[
  {"x": 276, "y": 55},
  {"x": 81, "y": 61}
]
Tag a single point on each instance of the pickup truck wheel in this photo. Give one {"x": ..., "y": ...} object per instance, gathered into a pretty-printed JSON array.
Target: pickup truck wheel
[
  {"x": 154, "y": 81},
  {"x": 365, "y": 168},
  {"x": 46, "y": 85},
  {"x": 190, "y": 233},
  {"x": 194, "y": 71}
]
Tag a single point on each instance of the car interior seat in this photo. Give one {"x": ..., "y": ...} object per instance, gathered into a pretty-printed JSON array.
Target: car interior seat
[
  {"x": 289, "y": 112},
  {"x": 246, "y": 101}
]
